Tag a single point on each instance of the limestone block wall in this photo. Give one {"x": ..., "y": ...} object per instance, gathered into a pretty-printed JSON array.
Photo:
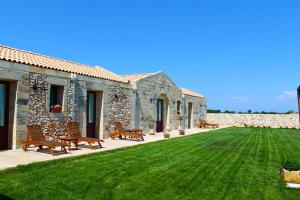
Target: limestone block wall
[
  {"x": 120, "y": 107},
  {"x": 267, "y": 120},
  {"x": 54, "y": 125},
  {"x": 147, "y": 91},
  {"x": 199, "y": 110},
  {"x": 29, "y": 106}
]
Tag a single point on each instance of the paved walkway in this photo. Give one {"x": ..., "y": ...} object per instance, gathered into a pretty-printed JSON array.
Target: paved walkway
[{"x": 13, "y": 158}]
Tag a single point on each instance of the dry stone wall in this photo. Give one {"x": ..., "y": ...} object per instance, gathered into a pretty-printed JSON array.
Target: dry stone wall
[
  {"x": 120, "y": 107},
  {"x": 257, "y": 120},
  {"x": 54, "y": 125},
  {"x": 198, "y": 110},
  {"x": 147, "y": 92}
]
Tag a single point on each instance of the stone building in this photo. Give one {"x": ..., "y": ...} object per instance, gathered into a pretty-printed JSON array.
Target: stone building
[
  {"x": 159, "y": 102},
  {"x": 38, "y": 89}
]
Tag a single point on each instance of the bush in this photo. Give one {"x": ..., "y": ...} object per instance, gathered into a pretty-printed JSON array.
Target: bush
[
  {"x": 213, "y": 111},
  {"x": 291, "y": 166}
]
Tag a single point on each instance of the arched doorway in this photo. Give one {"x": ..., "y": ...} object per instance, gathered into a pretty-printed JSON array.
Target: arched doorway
[{"x": 162, "y": 110}]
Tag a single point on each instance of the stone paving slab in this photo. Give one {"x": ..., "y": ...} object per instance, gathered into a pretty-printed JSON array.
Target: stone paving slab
[{"x": 13, "y": 158}]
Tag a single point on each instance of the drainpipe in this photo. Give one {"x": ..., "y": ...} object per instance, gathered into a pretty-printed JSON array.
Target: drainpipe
[
  {"x": 73, "y": 79},
  {"x": 298, "y": 92}
]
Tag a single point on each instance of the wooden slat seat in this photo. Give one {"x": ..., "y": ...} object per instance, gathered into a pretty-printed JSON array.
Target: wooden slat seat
[
  {"x": 36, "y": 137},
  {"x": 204, "y": 124},
  {"x": 74, "y": 132},
  {"x": 120, "y": 132}
]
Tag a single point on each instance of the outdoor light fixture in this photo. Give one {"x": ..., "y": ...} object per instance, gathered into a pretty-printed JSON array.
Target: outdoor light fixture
[
  {"x": 152, "y": 100},
  {"x": 298, "y": 94}
]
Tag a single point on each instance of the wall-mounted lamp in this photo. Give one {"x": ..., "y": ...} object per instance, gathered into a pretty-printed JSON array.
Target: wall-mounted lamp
[{"x": 152, "y": 100}]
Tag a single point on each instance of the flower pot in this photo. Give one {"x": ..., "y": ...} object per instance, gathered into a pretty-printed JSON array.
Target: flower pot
[
  {"x": 291, "y": 176},
  {"x": 56, "y": 108},
  {"x": 166, "y": 135},
  {"x": 181, "y": 132},
  {"x": 151, "y": 131}
]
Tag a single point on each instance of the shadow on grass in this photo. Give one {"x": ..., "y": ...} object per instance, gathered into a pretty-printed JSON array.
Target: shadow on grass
[{"x": 4, "y": 197}]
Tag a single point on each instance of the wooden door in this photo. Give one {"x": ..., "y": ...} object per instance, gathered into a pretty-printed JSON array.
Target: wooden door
[
  {"x": 190, "y": 110},
  {"x": 4, "y": 114},
  {"x": 91, "y": 115},
  {"x": 160, "y": 116}
]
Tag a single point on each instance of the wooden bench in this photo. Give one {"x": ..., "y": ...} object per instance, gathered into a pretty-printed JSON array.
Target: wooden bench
[
  {"x": 204, "y": 124},
  {"x": 120, "y": 132},
  {"x": 36, "y": 137},
  {"x": 74, "y": 132}
]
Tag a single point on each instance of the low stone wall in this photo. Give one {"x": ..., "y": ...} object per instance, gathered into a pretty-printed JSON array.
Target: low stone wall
[{"x": 261, "y": 120}]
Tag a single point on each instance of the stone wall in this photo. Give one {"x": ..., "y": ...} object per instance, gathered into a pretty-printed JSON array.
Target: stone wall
[
  {"x": 119, "y": 107},
  {"x": 31, "y": 106},
  {"x": 54, "y": 125},
  {"x": 261, "y": 120},
  {"x": 198, "y": 110},
  {"x": 147, "y": 91}
]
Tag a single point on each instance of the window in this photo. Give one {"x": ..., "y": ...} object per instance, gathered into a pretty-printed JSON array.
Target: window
[
  {"x": 178, "y": 107},
  {"x": 56, "y": 98}
]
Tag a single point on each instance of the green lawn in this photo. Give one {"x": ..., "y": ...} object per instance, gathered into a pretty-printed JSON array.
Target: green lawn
[{"x": 232, "y": 163}]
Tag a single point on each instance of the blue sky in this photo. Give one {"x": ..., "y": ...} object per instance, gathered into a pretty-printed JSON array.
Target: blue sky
[{"x": 240, "y": 54}]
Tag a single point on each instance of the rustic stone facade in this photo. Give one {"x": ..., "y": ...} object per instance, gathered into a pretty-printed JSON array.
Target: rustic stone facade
[
  {"x": 160, "y": 86},
  {"x": 53, "y": 124},
  {"x": 257, "y": 120},
  {"x": 119, "y": 107},
  {"x": 134, "y": 105},
  {"x": 198, "y": 110},
  {"x": 30, "y": 105}
]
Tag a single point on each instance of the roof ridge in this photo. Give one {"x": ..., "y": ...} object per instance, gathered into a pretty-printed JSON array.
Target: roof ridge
[
  {"x": 191, "y": 92},
  {"x": 150, "y": 73},
  {"x": 52, "y": 57}
]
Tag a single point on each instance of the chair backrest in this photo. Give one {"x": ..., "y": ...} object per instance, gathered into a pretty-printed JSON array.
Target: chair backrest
[
  {"x": 118, "y": 127},
  {"x": 35, "y": 132},
  {"x": 73, "y": 129},
  {"x": 203, "y": 121}
]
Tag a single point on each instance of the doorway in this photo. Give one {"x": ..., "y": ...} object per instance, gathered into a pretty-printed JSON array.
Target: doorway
[
  {"x": 160, "y": 116},
  {"x": 4, "y": 114},
  {"x": 190, "y": 113},
  {"x": 91, "y": 114}
]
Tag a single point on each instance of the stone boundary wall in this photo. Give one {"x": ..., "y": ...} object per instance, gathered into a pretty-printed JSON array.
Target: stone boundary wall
[{"x": 260, "y": 120}]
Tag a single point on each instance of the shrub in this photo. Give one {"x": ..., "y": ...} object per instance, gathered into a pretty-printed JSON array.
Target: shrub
[
  {"x": 213, "y": 111},
  {"x": 291, "y": 166}
]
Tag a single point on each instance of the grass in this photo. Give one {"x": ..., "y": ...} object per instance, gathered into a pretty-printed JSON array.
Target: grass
[{"x": 232, "y": 163}]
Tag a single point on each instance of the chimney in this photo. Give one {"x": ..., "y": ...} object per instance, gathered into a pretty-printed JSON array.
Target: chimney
[{"x": 298, "y": 94}]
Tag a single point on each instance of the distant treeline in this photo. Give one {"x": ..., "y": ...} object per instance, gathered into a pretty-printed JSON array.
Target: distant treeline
[{"x": 248, "y": 112}]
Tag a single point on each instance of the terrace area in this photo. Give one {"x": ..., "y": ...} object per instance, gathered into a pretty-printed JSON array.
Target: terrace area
[{"x": 13, "y": 158}]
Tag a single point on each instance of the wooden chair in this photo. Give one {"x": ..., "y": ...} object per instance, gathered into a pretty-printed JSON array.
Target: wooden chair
[
  {"x": 74, "y": 132},
  {"x": 121, "y": 132},
  {"x": 36, "y": 137},
  {"x": 204, "y": 124}
]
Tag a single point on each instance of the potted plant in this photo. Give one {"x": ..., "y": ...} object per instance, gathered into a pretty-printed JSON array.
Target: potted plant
[
  {"x": 167, "y": 131},
  {"x": 180, "y": 118},
  {"x": 151, "y": 124},
  {"x": 56, "y": 108},
  {"x": 291, "y": 174}
]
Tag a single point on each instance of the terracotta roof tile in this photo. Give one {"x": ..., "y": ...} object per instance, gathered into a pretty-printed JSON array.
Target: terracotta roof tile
[
  {"x": 26, "y": 57},
  {"x": 136, "y": 77},
  {"x": 191, "y": 93}
]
